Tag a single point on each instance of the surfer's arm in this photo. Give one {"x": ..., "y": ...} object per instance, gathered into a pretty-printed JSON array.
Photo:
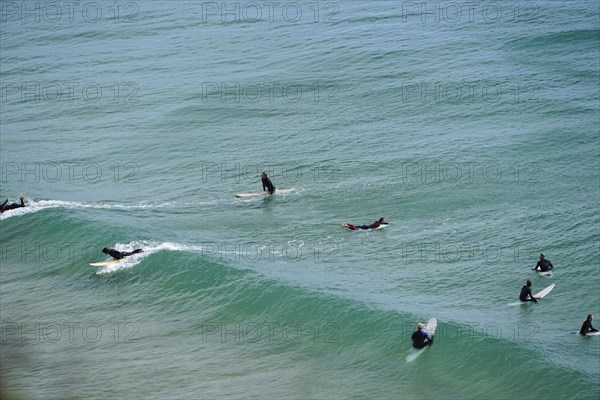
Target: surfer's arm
[{"x": 535, "y": 299}]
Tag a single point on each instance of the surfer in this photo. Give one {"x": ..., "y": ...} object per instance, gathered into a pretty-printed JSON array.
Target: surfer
[
  {"x": 374, "y": 225},
  {"x": 267, "y": 184},
  {"x": 543, "y": 265},
  {"x": 526, "y": 293},
  {"x": 587, "y": 326},
  {"x": 421, "y": 338},
  {"x": 120, "y": 254},
  {"x": 5, "y": 206}
]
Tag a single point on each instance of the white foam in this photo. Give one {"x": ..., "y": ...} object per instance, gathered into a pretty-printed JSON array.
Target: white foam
[
  {"x": 35, "y": 206},
  {"x": 149, "y": 248}
]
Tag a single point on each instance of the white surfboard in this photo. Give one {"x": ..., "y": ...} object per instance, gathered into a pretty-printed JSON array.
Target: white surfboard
[
  {"x": 265, "y": 193},
  {"x": 539, "y": 295},
  {"x": 543, "y": 273},
  {"x": 105, "y": 263},
  {"x": 544, "y": 292},
  {"x": 587, "y": 334},
  {"x": 414, "y": 353}
]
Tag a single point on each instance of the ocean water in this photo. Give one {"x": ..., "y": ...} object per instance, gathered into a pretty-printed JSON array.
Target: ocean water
[{"x": 472, "y": 127}]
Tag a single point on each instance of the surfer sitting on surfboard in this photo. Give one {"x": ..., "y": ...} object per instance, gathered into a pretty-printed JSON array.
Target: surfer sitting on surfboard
[
  {"x": 120, "y": 254},
  {"x": 421, "y": 338},
  {"x": 5, "y": 206},
  {"x": 543, "y": 265},
  {"x": 587, "y": 326},
  {"x": 374, "y": 225},
  {"x": 267, "y": 184},
  {"x": 526, "y": 293}
]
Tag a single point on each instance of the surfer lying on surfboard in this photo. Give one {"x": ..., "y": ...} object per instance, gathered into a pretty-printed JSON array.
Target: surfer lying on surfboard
[
  {"x": 119, "y": 254},
  {"x": 526, "y": 293},
  {"x": 267, "y": 184},
  {"x": 421, "y": 338},
  {"x": 5, "y": 206},
  {"x": 374, "y": 225}
]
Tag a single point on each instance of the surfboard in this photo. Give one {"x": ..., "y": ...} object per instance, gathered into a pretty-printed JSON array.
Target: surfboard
[
  {"x": 414, "y": 353},
  {"x": 104, "y": 263},
  {"x": 541, "y": 294},
  {"x": 543, "y": 273},
  {"x": 587, "y": 334},
  {"x": 265, "y": 193}
]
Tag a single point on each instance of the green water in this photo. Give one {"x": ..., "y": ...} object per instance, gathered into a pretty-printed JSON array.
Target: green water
[{"x": 475, "y": 136}]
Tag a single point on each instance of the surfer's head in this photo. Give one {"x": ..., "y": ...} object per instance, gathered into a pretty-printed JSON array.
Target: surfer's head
[
  {"x": 382, "y": 220},
  {"x": 590, "y": 317},
  {"x": 419, "y": 326},
  {"x": 541, "y": 256},
  {"x": 528, "y": 283},
  {"x": 105, "y": 250}
]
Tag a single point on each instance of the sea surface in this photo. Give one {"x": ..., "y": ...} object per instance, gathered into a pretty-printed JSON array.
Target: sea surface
[{"x": 473, "y": 127}]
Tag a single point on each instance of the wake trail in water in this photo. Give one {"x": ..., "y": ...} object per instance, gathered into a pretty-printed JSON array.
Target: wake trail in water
[
  {"x": 35, "y": 206},
  {"x": 148, "y": 249}
]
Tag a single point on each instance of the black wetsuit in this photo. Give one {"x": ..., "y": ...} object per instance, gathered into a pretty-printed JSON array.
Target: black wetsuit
[
  {"x": 5, "y": 207},
  {"x": 121, "y": 254},
  {"x": 268, "y": 185},
  {"x": 587, "y": 327},
  {"x": 526, "y": 294},
  {"x": 421, "y": 339},
  {"x": 372, "y": 226},
  {"x": 545, "y": 265}
]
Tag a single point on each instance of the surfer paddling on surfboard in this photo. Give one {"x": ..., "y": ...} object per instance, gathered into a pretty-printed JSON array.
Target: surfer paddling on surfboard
[
  {"x": 587, "y": 326},
  {"x": 267, "y": 184},
  {"x": 5, "y": 206},
  {"x": 374, "y": 225},
  {"x": 120, "y": 254},
  {"x": 543, "y": 265},
  {"x": 421, "y": 338},
  {"x": 526, "y": 293}
]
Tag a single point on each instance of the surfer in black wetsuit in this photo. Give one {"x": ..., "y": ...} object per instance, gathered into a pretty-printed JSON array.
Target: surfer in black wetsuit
[
  {"x": 421, "y": 338},
  {"x": 120, "y": 254},
  {"x": 374, "y": 225},
  {"x": 5, "y": 206},
  {"x": 526, "y": 293},
  {"x": 543, "y": 265},
  {"x": 587, "y": 326},
  {"x": 267, "y": 184}
]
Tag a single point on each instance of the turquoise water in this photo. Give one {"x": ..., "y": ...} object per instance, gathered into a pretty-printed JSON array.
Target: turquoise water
[{"x": 472, "y": 128}]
